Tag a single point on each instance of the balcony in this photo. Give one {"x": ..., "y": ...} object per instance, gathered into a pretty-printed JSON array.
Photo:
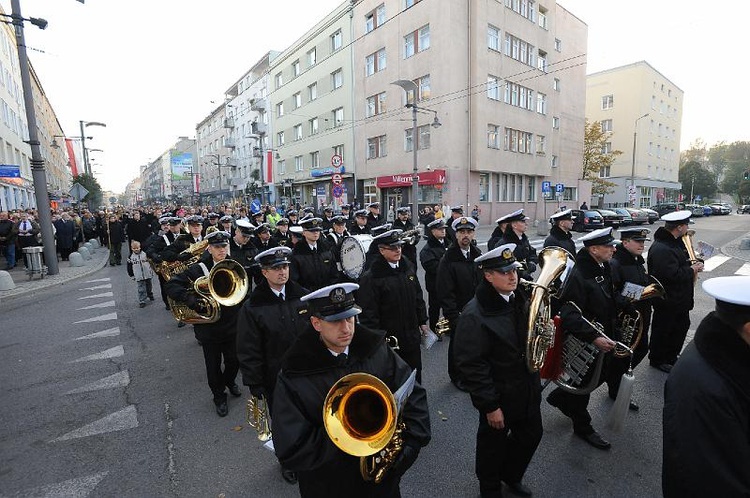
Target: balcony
[
  {"x": 259, "y": 128},
  {"x": 258, "y": 105},
  {"x": 230, "y": 143},
  {"x": 228, "y": 122}
]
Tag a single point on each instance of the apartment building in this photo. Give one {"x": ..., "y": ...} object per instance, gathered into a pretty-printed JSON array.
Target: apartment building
[
  {"x": 505, "y": 80},
  {"x": 169, "y": 177},
  {"x": 642, "y": 111},
  {"x": 214, "y": 157},
  {"x": 311, "y": 101}
]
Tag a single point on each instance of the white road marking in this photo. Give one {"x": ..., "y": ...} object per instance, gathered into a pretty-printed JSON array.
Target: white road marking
[
  {"x": 127, "y": 418},
  {"x": 100, "y": 318},
  {"x": 714, "y": 262},
  {"x": 104, "y": 333},
  {"x": 105, "y": 294},
  {"x": 744, "y": 270},
  {"x": 120, "y": 379},
  {"x": 108, "y": 304},
  {"x": 114, "y": 352},
  {"x": 97, "y": 280},
  {"x": 96, "y": 287},
  {"x": 78, "y": 488}
]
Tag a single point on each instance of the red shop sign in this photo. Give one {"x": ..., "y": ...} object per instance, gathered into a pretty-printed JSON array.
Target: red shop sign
[{"x": 436, "y": 177}]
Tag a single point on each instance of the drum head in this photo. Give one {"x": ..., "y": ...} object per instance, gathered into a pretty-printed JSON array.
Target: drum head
[{"x": 353, "y": 255}]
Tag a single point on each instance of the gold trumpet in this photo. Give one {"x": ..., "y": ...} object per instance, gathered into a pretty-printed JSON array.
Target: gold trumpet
[
  {"x": 442, "y": 327},
  {"x": 258, "y": 417}
]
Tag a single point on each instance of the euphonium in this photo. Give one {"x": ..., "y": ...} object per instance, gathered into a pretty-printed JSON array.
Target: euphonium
[
  {"x": 541, "y": 329},
  {"x": 168, "y": 269},
  {"x": 360, "y": 416},
  {"x": 258, "y": 417}
]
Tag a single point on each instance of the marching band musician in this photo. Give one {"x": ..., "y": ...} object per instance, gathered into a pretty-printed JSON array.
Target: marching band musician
[
  {"x": 226, "y": 223},
  {"x": 170, "y": 229},
  {"x": 327, "y": 218},
  {"x": 497, "y": 233},
  {"x": 515, "y": 233},
  {"x": 360, "y": 225},
  {"x": 490, "y": 357},
  {"x": 281, "y": 236},
  {"x": 373, "y": 252},
  {"x": 313, "y": 264},
  {"x": 669, "y": 262},
  {"x": 292, "y": 214},
  {"x": 218, "y": 339},
  {"x": 456, "y": 213},
  {"x": 212, "y": 220},
  {"x": 346, "y": 212},
  {"x": 391, "y": 298},
  {"x": 457, "y": 279},
  {"x": 402, "y": 222},
  {"x": 589, "y": 296},
  {"x": 559, "y": 233},
  {"x": 374, "y": 218},
  {"x": 707, "y": 401},
  {"x": 262, "y": 239},
  {"x": 242, "y": 249},
  {"x": 185, "y": 240},
  {"x": 430, "y": 257},
  {"x": 267, "y": 326},
  {"x": 332, "y": 346},
  {"x": 336, "y": 236}
]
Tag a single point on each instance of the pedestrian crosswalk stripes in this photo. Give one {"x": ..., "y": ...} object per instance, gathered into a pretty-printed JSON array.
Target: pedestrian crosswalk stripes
[
  {"x": 714, "y": 262},
  {"x": 120, "y": 379},
  {"x": 104, "y": 333},
  {"x": 108, "y": 304},
  {"x": 744, "y": 270},
  {"x": 127, "y": 418},
  {"x": 104, "y": 294},
  {"x": 100, "y": 318},
  {"x": 97, "y": 287},
  {"x": 114, "y": 352},
  {"x": 80, "y": 486}
]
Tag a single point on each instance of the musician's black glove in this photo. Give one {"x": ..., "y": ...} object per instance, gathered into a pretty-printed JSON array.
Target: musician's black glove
[
  {"x": 405, "y": 459},
  {"x": 258, "y": 391},
  {"x": 184, "y": 256},
  {"x": 531, "y": 267}
]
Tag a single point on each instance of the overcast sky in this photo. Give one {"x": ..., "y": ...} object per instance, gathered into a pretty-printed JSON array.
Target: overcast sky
[{"x": 149, "y": 69}]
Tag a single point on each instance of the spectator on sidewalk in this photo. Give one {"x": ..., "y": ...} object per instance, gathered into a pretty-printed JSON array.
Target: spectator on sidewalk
[
  {"x": 115, "y": 237},
  {"x": 8, "y": 235},
  {"x": 140, "y": 270},
  {"x": 27, "y": 231},
  {"x": 66, "y": 232}
]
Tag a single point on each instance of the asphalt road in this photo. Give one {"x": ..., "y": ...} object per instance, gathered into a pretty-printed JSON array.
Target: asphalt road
[{"x": 102, "y": 398}]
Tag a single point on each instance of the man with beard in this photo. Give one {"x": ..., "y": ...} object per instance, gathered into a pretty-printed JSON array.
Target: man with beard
[
  {"x": 402, "y": 222},
  {"x": 313, "y": 264},
  {"x": 430, "y": 257},
  {"x": 559, "y": 234}
]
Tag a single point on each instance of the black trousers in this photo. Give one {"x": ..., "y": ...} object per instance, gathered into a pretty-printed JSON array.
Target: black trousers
[
  {"x": 669, "y": 328},
  {"x": 433, "y": 308},
  {"x": 413, "y": 358},
  {"x": 504, "y": 455},
  {"x": 163, "y": 289},
  {"x": 218, "y": 380},
  {"x": 452, "y": 371}
]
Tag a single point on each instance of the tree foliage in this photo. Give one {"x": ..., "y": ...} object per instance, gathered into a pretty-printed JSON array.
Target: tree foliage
[
  {"x": 697, "y": 180},
  {"x": 726, "y": 162},
  {"x": 94, "y": 197},
  {"x": 595, "y": 159}
]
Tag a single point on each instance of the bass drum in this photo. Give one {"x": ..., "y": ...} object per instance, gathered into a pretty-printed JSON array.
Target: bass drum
[{"x": 353, "y": 254}]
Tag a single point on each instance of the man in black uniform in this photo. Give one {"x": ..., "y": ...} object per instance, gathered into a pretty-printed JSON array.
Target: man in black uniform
[
  {"x": 707, "y": 401},
  {"x": 212, "y": 220},
  {"x": 669, "y": 262},
  {"x": 335, "y": 345},
  {"x": 346, "y": 212},
  {"x": 170, "y": 228},
  {"x": 457, "y": 280},
  {"x": 374, "y": 218},
  {"x": 392, "y": 298},
  {"x": 313, "y": 264},
  {"x": 430, "y": 257},
  {"x": 281, "y": 236},
  {"x": 559, "y": 234},
  {"x": 241, "y": 247},
  {"x": 262, "y": 238},
  {"x": 184, "y": 241},
  {"x": 327, "y": 218},
  {"x": 498, "y": 232},
  {"x": 267, "y": 326},
  {"x": 336, "y": 236},
  {"x": 218, "y": 339},
  {"x": 402, "y": 222},
  {"x": 515, "y": 233},
  {"x": 360, "y": 225},
  {"x": 456, "y": 213},
  {"x": 590, "y": 294},
  {"x": 227, "y": 224},
  {"x": 490, "y": 357},
  {"x": 292, "y": 214}
]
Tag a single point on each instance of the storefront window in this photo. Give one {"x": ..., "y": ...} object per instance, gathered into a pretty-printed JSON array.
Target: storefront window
[
  {"x": 371, "y": 191},
  {"x": 429, "y": 194},
  {"x": 484, "y": 187}
]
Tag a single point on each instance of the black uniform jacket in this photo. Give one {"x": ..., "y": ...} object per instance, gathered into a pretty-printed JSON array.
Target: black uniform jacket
[
  {"x": 308, "y": 372},
  {"x": 523, "y": 252},
  {"x": 392, "y": 300},
  {"x": 707, "y": 416},
  {"x": 156, "y": 244},
  {"x": 270, "y": 244},
  {"x": 560, "y": 238},
  {"x": 409, "y": 250},
  {"x": 138, "y": 230},
  {"x": 282, "y": 239},
  {"x": 490, "y": 354},
  {"x": 355, "y": 229},
  {"x": 495, "y": 237},
  {"x": 313, "y": 271},
  {"x": 457, "y": 280},
  {"x": 181, "y": 243},
  {"x": 627, "y": 267},
  {"x": 266, "y": 328},
  {"x": 590, "y": 287},
  {"x": 669, "y": 262},
  {"x": 430, "y": 256},
  {"x": 181, "y": 285}
]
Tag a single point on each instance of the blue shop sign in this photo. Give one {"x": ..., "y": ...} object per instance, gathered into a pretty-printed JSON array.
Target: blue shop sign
[
  {"x": 11, "y": 171},
  {"x": 318, "y": 172}
]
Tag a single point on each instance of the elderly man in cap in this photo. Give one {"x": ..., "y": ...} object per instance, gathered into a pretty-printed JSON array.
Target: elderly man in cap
[
  {"x": 559, "y": 234},
  {"x": 456, "y": 213},
  {"x": 313, "y": 262},
  {"x": 335, "y": 345},
  {"x": 457, "y": 280},
  {"x": 267, "y": 326},
  {"x": 392, "y": 298},
  {"x": 218, "y": 339},
  {"x": 490, "y": 355},
  {"x": 374, "y": 218},
  {"x": 282, "y": 237},
  {"x": 360, "y": 225},
  {"x": 669, "y": 262},
  {"x": 515, "y": 233},
  {"x": 402, "y": 222},
  {"x": 429, "y": 257},
  {"x": 588, "y": 297},
  {"x": 706, "y": 423}
]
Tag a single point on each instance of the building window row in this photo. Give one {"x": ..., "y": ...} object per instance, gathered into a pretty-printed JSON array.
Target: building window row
[
  {"x": 375, "y": 105},
  {"x": 417, "y": 41},
  {"x": 520, "y": 50},
  {"x": 526, "y": 8},
  {"x": 376, "y": 147},
  {"x": 423, "y": 138},
  {"x": 375, "y": 18},
  {"x": 518, "y": 141},
  {"x": 519, "y": 96},
  {"x": 375, "y": 62}
]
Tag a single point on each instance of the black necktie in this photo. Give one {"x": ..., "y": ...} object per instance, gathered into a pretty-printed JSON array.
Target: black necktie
[
  {"x": 281, "y": 295},
  {"x": 341, "y": 360},
  {"x": 315, "y": 250},
  {"x": 512, "y": 299}
]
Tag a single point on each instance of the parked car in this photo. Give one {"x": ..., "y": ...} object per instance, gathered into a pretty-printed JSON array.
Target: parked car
[
  {"x": 744, "y": 209},
  {"x": 721, "y": 208},
  {"x": 626, "y": 218},
  {"x": 707, "y": 211},
  {"x": 585, "y": 220},
  {"x": 639, "y": 216},
  {"x": 653, "y": 216},
  {"x": 695, "y": 209},
  {"x": 668, "y": 207},
  {"x": 611, "y": 218}
]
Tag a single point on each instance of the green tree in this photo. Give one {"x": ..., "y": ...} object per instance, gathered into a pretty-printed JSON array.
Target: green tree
[
  {"x": 94, "y": 197},
  {"x": 697, "y": 180},
  {"x": 596, "y": 159}
]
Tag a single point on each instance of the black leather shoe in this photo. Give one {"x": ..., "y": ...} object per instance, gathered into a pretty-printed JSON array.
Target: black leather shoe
[
  {"x": 222, "y": 409},
  {"x": 633, "y": 406},
  {"x": 460, "y": 385},
  {"x": 289, "y": 476},
  {"x": 664, "y": 367},
  {"x": 518, "y": 489},
  {"x": 595, "y": 440},
  {"x": 235, "y": 390},
  {"x": 166, "y": 307},
  {"x": 180, "y": 324}
]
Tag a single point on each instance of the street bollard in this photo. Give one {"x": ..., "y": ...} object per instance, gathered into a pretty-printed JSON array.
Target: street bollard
[
  {"x": 89, "y": 246},
  {"x": 6, "y": 281},
  {"x": 34, "y": 265},
  {"x": 76, "y": 259},
  {"x": 85, "y": 253},
  {"x": 95, "y": 243}
]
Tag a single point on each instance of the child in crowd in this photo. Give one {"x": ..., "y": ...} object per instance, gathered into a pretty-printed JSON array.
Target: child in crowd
[{"x": 140, "y": 270}]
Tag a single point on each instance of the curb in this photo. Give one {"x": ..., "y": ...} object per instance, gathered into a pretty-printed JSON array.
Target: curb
[{"x": 733, "y": 249}]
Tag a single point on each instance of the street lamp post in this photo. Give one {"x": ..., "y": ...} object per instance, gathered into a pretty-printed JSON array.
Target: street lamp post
[
  {"x": 84, "y": 124},
  {"x": 632, "y": 167}
]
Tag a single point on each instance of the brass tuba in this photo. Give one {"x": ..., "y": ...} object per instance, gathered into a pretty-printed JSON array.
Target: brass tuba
[
  {"x": 168, "y": 269},
  {"x": 225, "y": 285},
  {"x": 360, "y": 416},
  {"x": 541, "y": 329}
]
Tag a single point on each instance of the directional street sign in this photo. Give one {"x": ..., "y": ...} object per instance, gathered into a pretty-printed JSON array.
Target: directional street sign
[
  {"x": 78, "y": 191},
  {"x": 546, "y": 187},
  {"x": 559, "y": 188},
  {"x": 255, "y": 206},
  {"x": 336, "y": 179},
  {"x": 337, "y": 191}
]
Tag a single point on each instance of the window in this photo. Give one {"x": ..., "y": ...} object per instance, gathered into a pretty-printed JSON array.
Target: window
[
  {"x": 608, "y": 102},
  {"x": 338, "y": 117},
  {"x": 558, "y": 44},
  {"x": 530, "y": 188},
  {"x": 298, "y": 132},
  {"x": 542, "y": 17},
  {"x": 375, "y": 105},
  {"x": 525, "y": 8},
  {"x": 604, "y": 172},
  {"x": 493, "y": 88},
  {"x": 337, "y": 41},
  {"x": 375, "y": 62},
  {"x": 606, "y": 125},
  {"x": 417, "y": 41},
  {"x": 493, "y": 136},
  {"x": 279, "y": 109},
  {"x": 338, "y": 150},
  {"x": 410, "y": 3},
  {"x": 607, "y": 148},
  {"x": 279, "y": 78},
  {"x": 555, "y": 162},
  {"x": 376, "y": 147},
  {"x": 312, "y": 92},
  {"x": 280, "y": 138},
  {"x": 312, "y": 57},
  {"x": 518, "y": 49},
  {"x": 541, "y": 145},
  {"x": 299, "y": 165},
  {"x": 518, "y": 141},
  {"x": 371, "y": 191},
  {"x": 423, "y": 138},
  {"x": 541, "y": 103},
  {"x": 484, "y": 187},
  {"x": 541, "y": 61},
  {"x": 337, "y": 79},
  {"x": 282, "y": 167},
  {"x": 519, "y": 96},
  {"x": 555, "y": 123},
  {"x": 423, "y": 88},
  {"x": 493, "y": 38},
  {"x": 313, "y": 126},
  {"x": 570, "y": 193},
  {"x": 556, "y": 84},
  {"x": 315, "y": 159},
  {"x": 296, "y": 69},
  {"x": 375, "y": 18},
  {"x": 297, "y": 99}
]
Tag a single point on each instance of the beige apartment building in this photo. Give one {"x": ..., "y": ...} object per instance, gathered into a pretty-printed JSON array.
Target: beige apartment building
[
  {"x": 642, "y": 111},
  {"x": 214, "y": 157},
  {"x": 506, "y": 81}
]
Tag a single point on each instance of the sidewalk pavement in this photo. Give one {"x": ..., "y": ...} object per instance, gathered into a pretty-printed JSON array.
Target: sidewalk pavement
[{"x": 24, "y": 286}]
